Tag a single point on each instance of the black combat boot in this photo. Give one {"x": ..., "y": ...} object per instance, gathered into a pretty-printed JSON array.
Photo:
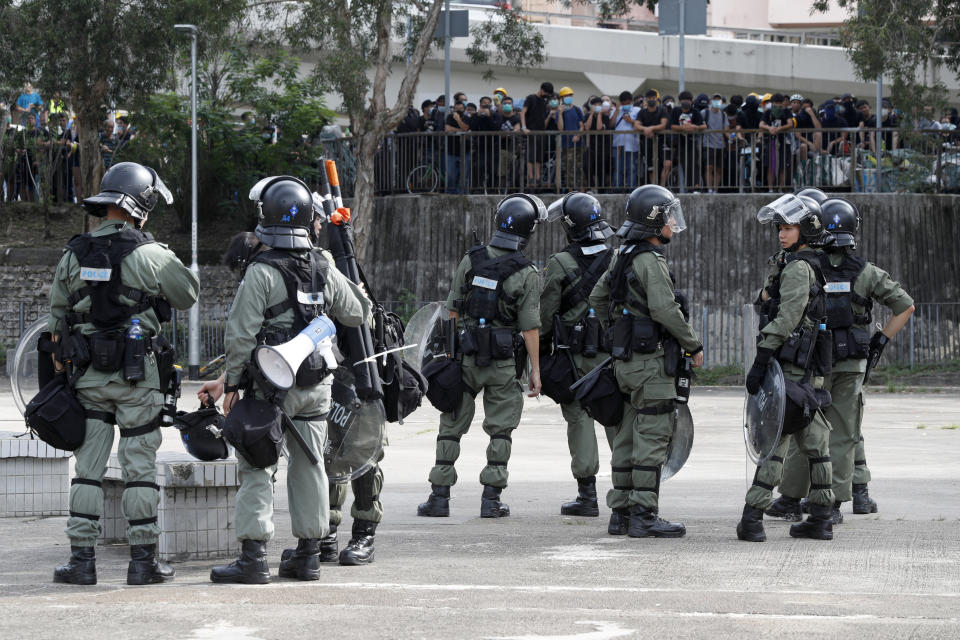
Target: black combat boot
[
  {"x": 302, "y": 563},
  {"x": 619, "y": 522},
  {"x": 804, "y": 506},
  {"x": 145, "y": 568},
  {"x": 585, "y": 504},
  {"x": 785, "y": 507},
  {"x": 81, "y": 568},
  {"x": 360, "y": 548},
  {"x": 437, "y": 504},
  {"x": 646, "y": 523},
  {"x": 490, "y": 505},
  {"x": 835, "y": 516},
  {"x": 249, "y": 568},
  {"x": 329, "y": 551},
  {"x": 862, "y": 502},
  {"x": 818, "y": 524},
  {"x": 750, "y": 527}
]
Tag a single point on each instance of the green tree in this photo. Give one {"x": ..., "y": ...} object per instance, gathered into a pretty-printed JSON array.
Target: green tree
[{"x": 907, "y": 41}]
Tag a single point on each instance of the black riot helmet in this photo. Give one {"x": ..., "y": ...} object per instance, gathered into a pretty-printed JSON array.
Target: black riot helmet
[
  {"x": 649, "y": 209},
  {"x": 516, "y": 217},
  {"x": 130, "y": 186},
  {"x": 286, "y": 209},
  {"x": 841, "y": 220},
  {"x": 582, "y": 217},
  {"x": 802, "y": 211},
  {"x": 200, "y": 432},
  {"x": 816, "y": 194},
  {"x": 240, "y": 252}
]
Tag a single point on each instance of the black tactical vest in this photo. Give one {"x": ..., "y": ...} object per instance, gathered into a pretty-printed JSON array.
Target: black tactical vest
[
  {"x": 592, "y": 261},
  {"x": 850, "y": 338},
  {"x": 483, "y": 287},
  {"x": 816, "y": 302},
  {"x": 100, "y": 259},
  {"x": 304, "y": 276},
  {"x": 623, "y": 281}
]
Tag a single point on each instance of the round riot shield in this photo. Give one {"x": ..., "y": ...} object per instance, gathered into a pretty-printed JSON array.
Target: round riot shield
[
  {"x": 23, "y": 366},
  {"x": 763, "y": 415},
  {"x": 355, "y": 430},
  {"x": 680, "y": 443},
  {"x": 421, "y": 329}
]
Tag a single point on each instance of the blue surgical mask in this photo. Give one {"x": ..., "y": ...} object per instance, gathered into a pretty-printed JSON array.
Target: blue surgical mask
[
  {"x": 568, "y": 100},
  {"x": 717, "y": 104},
  {"x": 507, "y": 108},
  {"x": 553, "y": 103},
  {"x": 597, "y": 108}
]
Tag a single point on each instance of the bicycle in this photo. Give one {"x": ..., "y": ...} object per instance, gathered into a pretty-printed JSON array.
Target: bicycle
[{"x": 424, "y": 178}]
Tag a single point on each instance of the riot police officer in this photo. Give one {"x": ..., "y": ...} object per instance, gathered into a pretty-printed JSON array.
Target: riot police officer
[
  {"x": 282, "y": 290},
  {"x": 108, "y": 282},
  {"x": 636, "y": 299},
  {"x": 495, "y": 296},
  {"x": 791, "y": 332},
  {"x": 567, "y": 323},
  {"x": 853, "y": 284}
]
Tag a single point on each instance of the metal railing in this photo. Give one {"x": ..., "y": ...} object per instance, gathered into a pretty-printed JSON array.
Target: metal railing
[{"x": 724, "y": 161}]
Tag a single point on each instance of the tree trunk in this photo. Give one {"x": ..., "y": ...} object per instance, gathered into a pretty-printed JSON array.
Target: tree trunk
[
  {"x": 91, "y": 163},
  {"x": 364, "y": 191}
]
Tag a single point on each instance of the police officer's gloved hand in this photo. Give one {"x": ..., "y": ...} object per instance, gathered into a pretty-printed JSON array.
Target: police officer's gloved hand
[
  {"x": 877, "y": 343},
  {"x": 758, "y": 370}
]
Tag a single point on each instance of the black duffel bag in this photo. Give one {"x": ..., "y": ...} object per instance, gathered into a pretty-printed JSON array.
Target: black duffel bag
[
  {"x": 601, "y": 398},
  {"x": 255, "y": 429},
  {"x": 403, "y": 389},
  {"x": 557, "y": 373},
  {"x": 56, "y": 416},
  {"x": 803, "y": 402},
  {"x": 445, "y": 385}
]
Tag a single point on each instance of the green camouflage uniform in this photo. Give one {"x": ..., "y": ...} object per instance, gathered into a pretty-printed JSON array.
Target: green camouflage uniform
[
  {"x": 155, "y": 270},
  {"x": 307, "y": 489},
  {"x": 641, "y": 441},
  {"x": 796, "y": 280},
  {"x": 502, "y": 395},
  {"x": 581, "y": 435},
  {"x": 845, "y": 414}
]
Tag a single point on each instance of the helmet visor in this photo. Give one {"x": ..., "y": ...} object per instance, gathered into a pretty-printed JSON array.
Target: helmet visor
[
  {"x": 318, "y": 201},
  {"x": 540, "y": 207},
  {"x": 673, "y": 216},
  {"x": 555, "y": 210},
  {"x": 787, "y": 209},
  {"x": 162, "y": 190},
  {"x": 259, "y": 187}
]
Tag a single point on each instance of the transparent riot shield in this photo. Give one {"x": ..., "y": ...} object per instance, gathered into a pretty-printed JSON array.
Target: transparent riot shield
[
  {"x": 680, "y": 443},
  {"x": 421, "y": 330},
  {"x": 763, "y": 415},
  {"x": 23, "y": 366},
  {"x": 355, "y": 430}
]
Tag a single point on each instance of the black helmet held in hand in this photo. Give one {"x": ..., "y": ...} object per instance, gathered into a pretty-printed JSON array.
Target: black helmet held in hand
[
  {"x": 582, "y": 217},
  {"x": 130, "y": 186},
  {"x": 200, "y": 433},
  {"x": 516, "y": 217},
  {"x": 841, "y": 220},
  {"x": 649, "y": 209},
  {"x": 286, "y": 209}
]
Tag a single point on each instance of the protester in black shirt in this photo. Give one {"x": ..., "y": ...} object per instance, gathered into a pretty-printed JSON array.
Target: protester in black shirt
[
  {"x": 486, "y": 146},
  {"x": 686, "y": 120},
  {"x": 533, "y": 117},
  {"x": 869, "y": 121},
  {"x": 509, "y": 144},
  {"x": 848, "y": 111},
  {"x": 458, "y": 159},
  {"x": 599, "y": 147},
  {"x": 807, "y": 141},
  {"x": 651, "y": 122},
  {"x": 777, "y": 155}
]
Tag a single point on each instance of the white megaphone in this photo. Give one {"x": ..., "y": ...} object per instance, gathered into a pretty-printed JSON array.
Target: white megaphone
[{"x": 279, "y": 364}]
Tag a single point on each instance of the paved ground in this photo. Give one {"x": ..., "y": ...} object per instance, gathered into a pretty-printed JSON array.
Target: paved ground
[{"x": 540, "y": 575}]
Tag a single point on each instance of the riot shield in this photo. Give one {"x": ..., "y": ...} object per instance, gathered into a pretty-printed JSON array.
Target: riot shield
[
  {"x": 763, "y": 415},
  {"x": 680, "y": 443},
  {"x": 23, "y": 366},
  {"x": 421, "y": 330},
  {"x": 355, "y": 430}
]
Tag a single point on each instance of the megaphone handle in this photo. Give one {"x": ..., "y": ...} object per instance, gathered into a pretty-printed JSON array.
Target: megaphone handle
[{"x": 292, "y": 430}]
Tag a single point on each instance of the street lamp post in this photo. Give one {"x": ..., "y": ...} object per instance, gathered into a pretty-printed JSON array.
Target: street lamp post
[{"x": 193, "y": 337}]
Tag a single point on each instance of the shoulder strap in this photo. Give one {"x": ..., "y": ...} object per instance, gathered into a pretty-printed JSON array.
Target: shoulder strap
[{"x": 590, "y": 270}]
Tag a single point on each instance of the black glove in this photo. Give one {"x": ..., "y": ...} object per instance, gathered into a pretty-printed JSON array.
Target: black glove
[
  {"x": 758, "y": 370},
  {"x": 877, "y": 343}
]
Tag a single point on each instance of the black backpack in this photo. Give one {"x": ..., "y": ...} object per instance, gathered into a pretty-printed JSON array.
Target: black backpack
[
  {"x": 56, "y": 416},
  {"x": 403, "y": 385}
]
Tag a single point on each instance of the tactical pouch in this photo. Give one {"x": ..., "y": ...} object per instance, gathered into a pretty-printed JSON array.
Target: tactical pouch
[
  {"x": 501, "y": 343},
  {"x": 591, "y": 336},
  {"x": 445, "y": 385},
  {"x": 824, "y": 352},
  {"x": 45, "y": 348},
  {"x": 255, "y": 429},
  {"x": 468, "y": 342},
  {"x": 606, "y": 340},
  {"x": 166, "y": 357},
  {"x": 405, "y": 390},
  {"x": 646, "y": 335},
  {"x": 601, "y": 398},
  {"x": 859, "y": 342},
  {"x": 484, "y": 350},
  {"x": 671, "y": 356},
  {"x": 312, "y": 370},
  {"x": 806, "y": 349},
  {"x": 56, "y": 416},
  {"x": 839, "y": 311},
  {"x": 802, "y": 403},
  {"x": 106, "y": 351},
  {"x": 557, "y": 373},
  {"x": 622, "y": 338},
  {"x": 574, "y": 338}
]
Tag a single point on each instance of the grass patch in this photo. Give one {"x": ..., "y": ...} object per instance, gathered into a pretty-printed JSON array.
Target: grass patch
[
  {"x": 951, "y": 427},
  {"x": 729, "y": 375},
  {"x": 921, "y": 426}
]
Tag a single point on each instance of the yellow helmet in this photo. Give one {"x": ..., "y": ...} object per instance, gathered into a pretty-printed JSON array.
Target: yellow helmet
[
  {"x": 766, "y": 97},
  {"x": 566, "y": 91},
  {"x": 501, "y": 90}
]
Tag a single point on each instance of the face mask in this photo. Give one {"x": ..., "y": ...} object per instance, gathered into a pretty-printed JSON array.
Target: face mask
[
  {"x": 597, "y": 108},
  {"x": 553, "y": 103},
  {"x": 606, "y": 105},
  {"x": 568, "y": 100},
  {"x": 507, "y": 108},
  {"x": 651, "y": 103},
  {"x": 717, "y": 104},
  {"x": 497, "y": 98},
  {"x": 767, "y": 107},
  {"x": 884, "y": 112},
  {"x": 668, "y": 105},
  {"x": 685, "y": 104}
]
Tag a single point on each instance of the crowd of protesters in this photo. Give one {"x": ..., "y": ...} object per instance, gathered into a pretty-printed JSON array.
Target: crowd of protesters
[{"x": 647, "y": 141}]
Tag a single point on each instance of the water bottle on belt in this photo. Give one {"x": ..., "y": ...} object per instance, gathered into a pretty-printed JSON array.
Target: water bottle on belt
[{"x": 135, "y": 349}]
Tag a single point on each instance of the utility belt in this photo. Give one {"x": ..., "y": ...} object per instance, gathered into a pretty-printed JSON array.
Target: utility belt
[
  {"x": 111, "y": 351},
  {"x": 630, "y": 334},
  {"x": 810, "y": 349},
  {"x": 487, "y": 344},
  {"x": 312, "y": 370}
]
